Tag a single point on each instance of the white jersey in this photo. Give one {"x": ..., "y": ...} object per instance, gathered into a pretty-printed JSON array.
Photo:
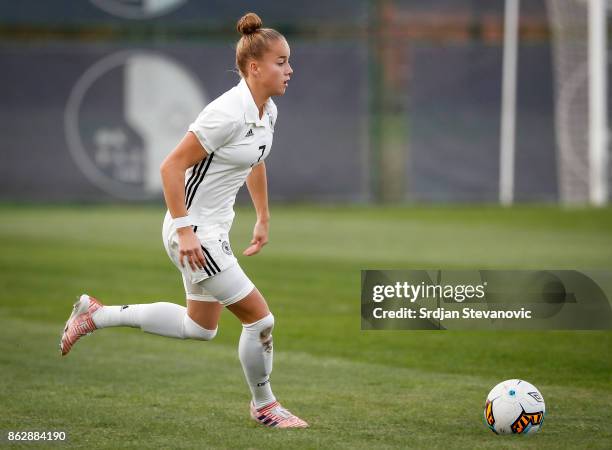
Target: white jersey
[{"x": 236, "y": 139}]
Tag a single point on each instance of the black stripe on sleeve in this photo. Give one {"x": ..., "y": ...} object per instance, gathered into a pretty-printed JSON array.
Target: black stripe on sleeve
[
  {"x": 193, "y": 172},
  {"x": 197, "y": 184},
  {"x": 194, "y": 176}
]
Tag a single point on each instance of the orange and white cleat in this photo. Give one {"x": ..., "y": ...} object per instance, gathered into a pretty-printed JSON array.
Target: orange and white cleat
[
  {"x": 80, "y": 322},
  {"x": 275, "y": 416}
]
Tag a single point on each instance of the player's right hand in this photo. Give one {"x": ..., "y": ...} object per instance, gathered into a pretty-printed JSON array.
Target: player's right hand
[{"x": 190, "y": 249}]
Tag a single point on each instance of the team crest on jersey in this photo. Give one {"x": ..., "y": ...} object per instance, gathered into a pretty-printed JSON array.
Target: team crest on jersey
[{"x": 226, "y": 247}]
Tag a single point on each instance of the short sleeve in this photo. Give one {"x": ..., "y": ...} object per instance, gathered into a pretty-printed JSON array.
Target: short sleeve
[{"x": 213, "y": 128}]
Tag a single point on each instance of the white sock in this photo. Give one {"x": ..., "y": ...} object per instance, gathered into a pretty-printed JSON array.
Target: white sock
[
  {"x": 163, "y": 318},
  {"x": 255, "y": 352}
]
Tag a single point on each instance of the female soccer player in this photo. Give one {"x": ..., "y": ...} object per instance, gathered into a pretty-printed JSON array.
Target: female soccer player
[{"x": 226, "y": 145}]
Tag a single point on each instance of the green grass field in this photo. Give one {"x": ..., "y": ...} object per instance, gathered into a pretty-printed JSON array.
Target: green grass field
[{"x": 375, "y": 389}]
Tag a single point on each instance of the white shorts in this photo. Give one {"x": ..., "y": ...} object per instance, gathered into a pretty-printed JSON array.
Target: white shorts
[{"x": 222, "y": 279}]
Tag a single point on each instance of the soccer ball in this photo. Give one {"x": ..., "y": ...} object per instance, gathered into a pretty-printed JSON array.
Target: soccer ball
[{"x": 514, "y": 407}]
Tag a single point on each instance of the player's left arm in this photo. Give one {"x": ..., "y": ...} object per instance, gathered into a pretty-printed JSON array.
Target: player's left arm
[{"x": 257, "y": 183}]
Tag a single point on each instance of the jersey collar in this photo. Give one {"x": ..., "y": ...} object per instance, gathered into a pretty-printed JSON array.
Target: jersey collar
[{"x": 251, "y": 114}]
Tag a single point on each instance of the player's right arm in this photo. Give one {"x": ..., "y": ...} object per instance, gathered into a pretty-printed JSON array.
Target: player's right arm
[{"x": 185, "y": 155}]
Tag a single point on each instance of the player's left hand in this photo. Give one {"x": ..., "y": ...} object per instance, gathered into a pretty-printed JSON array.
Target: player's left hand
[{"x": 260, "y": 238}]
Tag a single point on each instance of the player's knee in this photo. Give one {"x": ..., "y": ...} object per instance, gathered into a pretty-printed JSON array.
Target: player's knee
[
  {"x": 191, "y": 330},
  {"x": 265, "y": 336},
  {"x": 262, "y": 329},
  {"x": 204, "y": 334}
]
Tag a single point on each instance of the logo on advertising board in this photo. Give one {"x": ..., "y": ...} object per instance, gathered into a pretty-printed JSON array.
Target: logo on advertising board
[{"x": 125, "y": 114}]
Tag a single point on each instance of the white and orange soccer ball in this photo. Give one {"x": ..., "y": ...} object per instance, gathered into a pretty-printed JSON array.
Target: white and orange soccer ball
[{"x": 514, "y": 407}]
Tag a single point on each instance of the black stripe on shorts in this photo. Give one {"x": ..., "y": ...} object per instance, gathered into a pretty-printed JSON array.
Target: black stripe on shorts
[
  {"x": 211, "y": 259},
  {"x": 206, "y": 269}
]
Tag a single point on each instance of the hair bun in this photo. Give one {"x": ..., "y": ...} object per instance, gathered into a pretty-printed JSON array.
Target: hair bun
[{"x": 249, "y": 23}]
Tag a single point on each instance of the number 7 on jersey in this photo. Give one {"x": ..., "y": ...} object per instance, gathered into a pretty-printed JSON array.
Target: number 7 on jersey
[{"x": 263, "y": 149}]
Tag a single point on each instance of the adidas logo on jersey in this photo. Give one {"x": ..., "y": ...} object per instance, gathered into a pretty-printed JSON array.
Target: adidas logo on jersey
[{"x": 249, "y": 133}]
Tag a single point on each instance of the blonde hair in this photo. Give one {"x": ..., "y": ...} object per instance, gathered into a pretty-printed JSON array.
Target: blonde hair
[{"x": 254, "y": 42}]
